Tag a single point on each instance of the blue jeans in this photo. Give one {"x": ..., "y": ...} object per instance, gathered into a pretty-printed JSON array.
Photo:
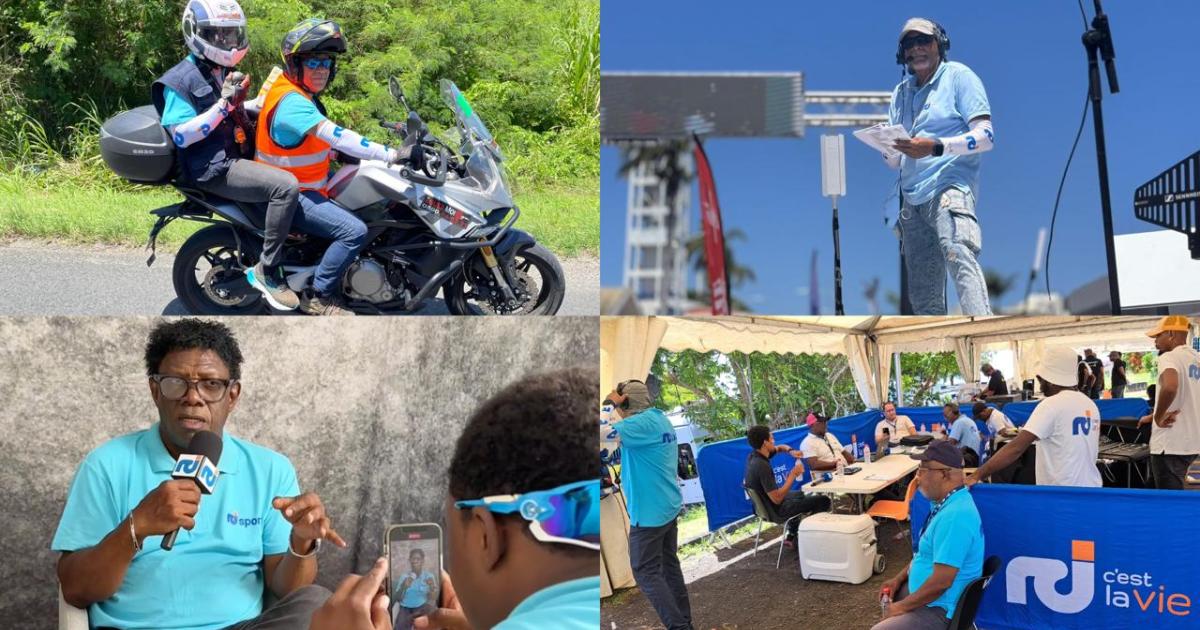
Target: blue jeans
[
  {"x": 938, "y": 236},
  {"x": 318, "y": 216}
]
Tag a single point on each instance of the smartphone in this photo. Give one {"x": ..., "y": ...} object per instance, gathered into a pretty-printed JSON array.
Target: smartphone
[{"x": 414, "y": 571}]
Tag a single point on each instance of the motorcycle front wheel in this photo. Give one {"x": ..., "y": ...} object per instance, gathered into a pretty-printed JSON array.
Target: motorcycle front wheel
[
  {"x": 537, "y": 274},
  {"x": 209, "y": 278}
]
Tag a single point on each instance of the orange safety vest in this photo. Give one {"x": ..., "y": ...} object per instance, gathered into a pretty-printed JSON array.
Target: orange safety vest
[{"x": 308, "y": 161}]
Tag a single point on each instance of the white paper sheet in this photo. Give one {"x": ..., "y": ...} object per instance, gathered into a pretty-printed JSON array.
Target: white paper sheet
[{"x": 881, "y": 137}]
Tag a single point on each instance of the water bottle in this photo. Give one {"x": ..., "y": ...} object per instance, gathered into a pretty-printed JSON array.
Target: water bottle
[
  {"x": 841, "y": 463},
  {"x": 866, "y": 453},
  {"x": 885, "y": 601}
]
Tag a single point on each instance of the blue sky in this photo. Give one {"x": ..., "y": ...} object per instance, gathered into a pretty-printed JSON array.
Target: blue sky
[{"x": 1029, "y": 56}]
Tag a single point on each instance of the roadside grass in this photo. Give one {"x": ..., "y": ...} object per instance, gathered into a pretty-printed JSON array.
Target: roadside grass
[{"x": 565, "y": 220}]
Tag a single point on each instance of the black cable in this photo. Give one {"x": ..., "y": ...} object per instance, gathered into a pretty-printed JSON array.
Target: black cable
[
  {"x": 1063, "y": 180},
  {"x": 1058, "y": 197}
]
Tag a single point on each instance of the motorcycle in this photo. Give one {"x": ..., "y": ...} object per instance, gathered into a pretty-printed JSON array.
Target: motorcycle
[{"x": 440, "y": 221}]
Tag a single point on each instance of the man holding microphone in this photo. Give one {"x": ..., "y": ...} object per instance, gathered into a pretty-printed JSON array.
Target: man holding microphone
[
  {"x": 256, "y": 531},
  {"x": 944, "y": 108}
]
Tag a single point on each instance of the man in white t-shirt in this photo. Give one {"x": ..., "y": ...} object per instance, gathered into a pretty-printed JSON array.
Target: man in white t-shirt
[
  {"x": 822, "y": 448},
  {"x": 994, "y": 418},
  {"x": 1175, "y": 438},
  {"x": 1066, "y": 426},
  {"x": 897, "y": 426}
]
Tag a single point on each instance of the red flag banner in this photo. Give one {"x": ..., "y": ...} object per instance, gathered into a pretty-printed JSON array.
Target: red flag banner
[{"x": 714, "y": 237}]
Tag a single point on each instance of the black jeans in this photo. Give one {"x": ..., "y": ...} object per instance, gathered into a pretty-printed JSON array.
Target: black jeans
[
  {"x": 654, "y": 556},
  {"x": 799, "y": 503},
  {"x": 253, "y": 182},
  {"x": 1169, "y": 470}
]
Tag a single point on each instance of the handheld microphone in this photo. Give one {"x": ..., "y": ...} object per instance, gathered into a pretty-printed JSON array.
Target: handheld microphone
[{"x": 198, "y": 463}]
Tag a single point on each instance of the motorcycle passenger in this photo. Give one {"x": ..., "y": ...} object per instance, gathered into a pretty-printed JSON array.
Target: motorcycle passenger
[
  {"x": 294, "y": 135},
  {"x": 196, "y": 102}
]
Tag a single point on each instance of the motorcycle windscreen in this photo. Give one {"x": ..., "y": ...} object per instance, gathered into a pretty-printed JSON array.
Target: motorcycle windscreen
[{"x": 457, "y": 102}]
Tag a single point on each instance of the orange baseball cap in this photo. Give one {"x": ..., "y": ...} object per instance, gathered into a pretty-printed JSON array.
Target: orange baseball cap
[{"x": 1170, "y": 323}]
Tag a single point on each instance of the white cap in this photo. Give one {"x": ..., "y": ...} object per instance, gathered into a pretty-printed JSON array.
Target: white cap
[
  {"x": 918, "y": 25},
  {"x": 1059, "y": 366}
]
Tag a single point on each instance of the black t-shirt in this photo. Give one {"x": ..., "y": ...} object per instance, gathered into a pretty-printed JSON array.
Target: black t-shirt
[
  {"x": 759, "y": 476},
  {"x": 1097, "y": 367},
  {"x": 996, "y": 384},
  {"x": 1118, "y": 374}
]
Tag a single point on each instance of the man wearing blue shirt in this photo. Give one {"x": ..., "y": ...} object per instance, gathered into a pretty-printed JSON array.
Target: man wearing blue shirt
[
  {"x": 944, "y": 108},
  {"x": 963, "y": 433},
  {"x": 413, "y": 593},
  {"x": 256, "y": 531},
  {"x": 949, "y": 550},
  {"x": 649, "y": 464}
]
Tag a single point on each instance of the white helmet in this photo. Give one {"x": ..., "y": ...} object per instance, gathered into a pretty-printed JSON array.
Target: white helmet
[{"x": 216, "y": 30}]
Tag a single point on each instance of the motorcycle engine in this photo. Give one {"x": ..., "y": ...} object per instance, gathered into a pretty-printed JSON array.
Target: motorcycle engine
[{"x": 367, "y": 280}]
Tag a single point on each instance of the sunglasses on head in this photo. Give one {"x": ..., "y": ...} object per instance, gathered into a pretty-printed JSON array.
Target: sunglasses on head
[
  {"x": 916, "y": 40},
  {"x": 312, "y": 63},
  {"x": 568, "y": 514}
]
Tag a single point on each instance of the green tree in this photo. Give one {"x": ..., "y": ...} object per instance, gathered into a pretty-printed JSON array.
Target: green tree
[{"x": 921, "y": 372}]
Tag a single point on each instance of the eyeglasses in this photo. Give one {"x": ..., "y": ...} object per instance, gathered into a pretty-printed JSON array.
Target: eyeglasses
[
  {"x": 931, "y": 468},
  {"x": 209, "y": 389},
  {"x": 568, "y": 514},
  {"x": 312, "y": 63},
  {"x": 916, "y": 40}
]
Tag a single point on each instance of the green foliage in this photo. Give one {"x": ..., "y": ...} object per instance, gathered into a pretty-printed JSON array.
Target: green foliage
[
  {"x": 726, "y": 393},
  {"x": 921, "y": 372},
  {"x": 530, "y": 67}
]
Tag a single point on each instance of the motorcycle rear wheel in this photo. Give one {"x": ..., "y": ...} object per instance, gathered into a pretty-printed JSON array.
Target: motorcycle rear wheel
[{"x": 210, "y": 257}]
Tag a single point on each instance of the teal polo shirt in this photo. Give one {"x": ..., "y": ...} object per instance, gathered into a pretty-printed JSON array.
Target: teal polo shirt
[
  {"x": 214, "y": 576},
  {"x": 954, "y": 538},
  {"x": 573, "y": 605},
  {"x": 649, "y": 467},
  {"x": 939, "y": 109}
]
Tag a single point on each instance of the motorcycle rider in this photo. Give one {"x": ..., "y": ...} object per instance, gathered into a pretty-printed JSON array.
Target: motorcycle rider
[
  {"x": 205, "y": 132},
  {"x": 294, "y": 135}
]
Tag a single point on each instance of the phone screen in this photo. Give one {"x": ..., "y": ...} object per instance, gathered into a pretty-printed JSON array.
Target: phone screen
[{"x": 414, "y": 571}]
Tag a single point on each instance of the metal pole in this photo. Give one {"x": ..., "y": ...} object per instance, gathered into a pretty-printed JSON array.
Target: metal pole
[
  {"x": 837, "y": 263},
  {"x": 1094, "y": 40}
]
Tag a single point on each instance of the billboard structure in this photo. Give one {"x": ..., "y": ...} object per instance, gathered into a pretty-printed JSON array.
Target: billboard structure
[{"x": 655, "y": 108}]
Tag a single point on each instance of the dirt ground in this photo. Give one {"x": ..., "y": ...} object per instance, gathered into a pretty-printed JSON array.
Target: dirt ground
[{"x": 731, "y": 589}]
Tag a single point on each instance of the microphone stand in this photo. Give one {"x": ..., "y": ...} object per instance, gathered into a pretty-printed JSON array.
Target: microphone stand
[{"x": 1098, "y": 43}]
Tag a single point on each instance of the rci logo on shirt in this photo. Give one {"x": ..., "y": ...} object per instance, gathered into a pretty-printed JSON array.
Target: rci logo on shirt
[
  {"x": 1082, "y": 424},
  {"x": 234, "y": 519},
  {"x": 1194, "y": 372},
  {"x": 1122, "y": 589},
  {"x": 667, "y": 438}
]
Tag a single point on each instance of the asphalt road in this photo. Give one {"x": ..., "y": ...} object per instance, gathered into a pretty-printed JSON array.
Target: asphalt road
[{"x": 48, "y": 279}]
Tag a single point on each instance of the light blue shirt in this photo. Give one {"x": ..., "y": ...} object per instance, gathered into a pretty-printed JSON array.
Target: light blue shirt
[
  {"x": 939, "y": 109},
  {"x": 649, "y": 466},
  {"x": 294, "y": 116},
  {"x": 954, "y": 537},
  {"x": 418, "y": 591},
  {"x": 966, "y": 432},
  {"x": 214, "y": 576},
  {"x": 573, "y": 605}
]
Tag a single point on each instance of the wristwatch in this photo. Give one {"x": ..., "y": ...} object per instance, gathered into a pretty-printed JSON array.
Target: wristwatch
[{"x": 938, "y": 148}]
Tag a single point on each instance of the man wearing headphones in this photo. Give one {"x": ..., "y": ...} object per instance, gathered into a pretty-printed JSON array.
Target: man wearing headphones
[
  {"x": 945, "y": 109},
  {"x": 649, "y": 455}
]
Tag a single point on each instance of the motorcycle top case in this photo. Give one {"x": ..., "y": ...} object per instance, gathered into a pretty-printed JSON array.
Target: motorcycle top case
[{"x": 136, "y": 147}]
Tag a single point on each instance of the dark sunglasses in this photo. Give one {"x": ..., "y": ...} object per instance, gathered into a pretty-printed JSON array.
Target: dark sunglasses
[{"x": 916, "y": 40}]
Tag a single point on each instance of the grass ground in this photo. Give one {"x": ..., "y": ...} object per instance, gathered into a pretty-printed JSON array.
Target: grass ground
[{"x": 566, "y": 221}]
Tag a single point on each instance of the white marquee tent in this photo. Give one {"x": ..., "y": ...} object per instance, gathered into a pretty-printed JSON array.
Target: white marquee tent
[{"x": 628, "y": 346}]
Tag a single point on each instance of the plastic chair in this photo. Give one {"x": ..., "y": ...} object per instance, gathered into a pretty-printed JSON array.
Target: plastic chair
[
  {"x": 972, "y": 595},
  {"x": 895, "y": 510},
  {"x": 768, "y": 514}
]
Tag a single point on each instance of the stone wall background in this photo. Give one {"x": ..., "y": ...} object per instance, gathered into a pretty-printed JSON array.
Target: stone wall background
[{"x": 367, "y": 409}]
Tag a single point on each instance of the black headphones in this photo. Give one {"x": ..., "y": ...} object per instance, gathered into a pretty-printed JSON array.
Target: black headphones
[
  {"x": 621, "y": 390},
  {"x": 943, "y": 41}
]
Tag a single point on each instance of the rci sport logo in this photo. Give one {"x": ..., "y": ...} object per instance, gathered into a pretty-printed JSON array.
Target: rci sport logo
[
  {"x": 1122, "y": 589},
  {"x": 234, "y": 519}
]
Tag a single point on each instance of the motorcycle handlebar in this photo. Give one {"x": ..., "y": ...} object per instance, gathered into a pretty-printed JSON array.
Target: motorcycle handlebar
[{"x": 410, "y": 173}]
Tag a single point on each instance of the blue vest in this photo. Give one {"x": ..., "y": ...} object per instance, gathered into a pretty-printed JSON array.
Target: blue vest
[{"x": 210, "y": 157}]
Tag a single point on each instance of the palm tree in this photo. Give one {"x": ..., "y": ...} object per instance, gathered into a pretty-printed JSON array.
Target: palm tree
[{"x": 737, "y": 274}]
